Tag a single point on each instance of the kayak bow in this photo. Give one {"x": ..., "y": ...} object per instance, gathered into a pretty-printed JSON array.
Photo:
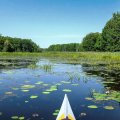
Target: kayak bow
[{"x": 65, "y": 111}]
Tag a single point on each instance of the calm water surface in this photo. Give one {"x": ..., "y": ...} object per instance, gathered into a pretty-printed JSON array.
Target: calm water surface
[{"x": 15, "y": 102}]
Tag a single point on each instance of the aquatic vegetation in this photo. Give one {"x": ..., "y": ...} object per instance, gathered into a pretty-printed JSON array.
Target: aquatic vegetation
[
  {"x": 8, "y": 93},
  {"x": 38, "y": 83},
  {"x": 46, "y": 67},
  {"x": 27, "y": 81},
  {"x": 75, "y": 84},
  {"x": 65, "y": 82},
  {"x": 25, "y": 90},
  {"x": 51, "y": 89},
  {"x": 15, "y": 88},
  {"x": 58, "y": 84},
  {"x": 109, "y": 107},
  {"x": 15, "y": 117},
  {"x": 18, "y": 118},
  {"x": 113, "y": 95},
  {"x": 53, "y": 86},
  {"x": 46, "y": 92},
  {"x": 8, "y": 72},
  {"x": 33, "y": 97},
  {"x": 88, "y": 98},
  {"x": 21, "y": 118},
  {"x": 71, "y": 76},
  {"x": 26, "y": 101},
  {"x": 56, "y": 112},
  {"x": 45, "y": 84},
  {"x": 108, "y": 82},
  {"x": 32, "y": 66},
  {"x": 92, "y": 106},
  {"x": 113, "y": 66},
  {"x": 27, "y": 86},
  {"x": 67, "y": 90},
  {"x": 99, "y": 96},
  {"x": 92, "y": 58}
]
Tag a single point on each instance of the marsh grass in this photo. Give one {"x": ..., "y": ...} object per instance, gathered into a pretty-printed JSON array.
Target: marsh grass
[{"x": 110, "y": 59}]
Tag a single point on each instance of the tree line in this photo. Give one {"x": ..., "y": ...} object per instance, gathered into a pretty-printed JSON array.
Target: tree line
[
  {"x": 71, "y": 47},
  {"x": 9, "y": 44},
  {"x": 108, "y": 40}
]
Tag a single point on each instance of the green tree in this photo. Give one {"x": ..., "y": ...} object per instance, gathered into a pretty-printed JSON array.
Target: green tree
[
  {"x": 91, "y": 42},
  {"x": 111, "y": 34},
  {"x": 9, "y": 44},
  {"x": 71, "y": 47}
]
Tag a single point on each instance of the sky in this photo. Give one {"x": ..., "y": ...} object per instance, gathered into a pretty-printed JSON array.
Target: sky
[{"x": 49, "y": 22}]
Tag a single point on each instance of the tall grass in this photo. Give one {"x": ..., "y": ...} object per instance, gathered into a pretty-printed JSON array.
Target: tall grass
[{"x": 71, "y": 57}]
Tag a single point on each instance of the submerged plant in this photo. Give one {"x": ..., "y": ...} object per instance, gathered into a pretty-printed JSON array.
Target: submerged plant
[
  {"x": 32, "y": 66},
  {"x": 46, "y": 67}
]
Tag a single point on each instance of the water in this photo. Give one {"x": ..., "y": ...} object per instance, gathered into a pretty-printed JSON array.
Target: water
[{"x": 15, "y": 102}]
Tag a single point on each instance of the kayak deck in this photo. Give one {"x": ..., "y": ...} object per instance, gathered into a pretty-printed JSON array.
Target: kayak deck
[{"x": 66, "y": 112}]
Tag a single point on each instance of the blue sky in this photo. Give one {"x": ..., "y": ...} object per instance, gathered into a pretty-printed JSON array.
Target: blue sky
[{"x": 49, "y": 22}]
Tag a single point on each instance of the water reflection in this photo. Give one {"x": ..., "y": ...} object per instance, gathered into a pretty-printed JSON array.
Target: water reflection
[{"x": 36, "y": 90}]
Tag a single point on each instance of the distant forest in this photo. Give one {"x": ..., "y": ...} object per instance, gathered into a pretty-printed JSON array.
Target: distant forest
[
  {"x": 9, "y": 44},
  {"x": 108, "y": 40}
]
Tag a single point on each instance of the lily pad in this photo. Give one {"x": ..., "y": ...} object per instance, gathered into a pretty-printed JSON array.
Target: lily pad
[
  {"x": 45, "y": 84},
  {"x": 58, "y": 84},
  {"x": 8, "y": 93},
  {"x": 46, "y": 92},
  {"x": 38, "y": 83},
  {"x": 25, "y": 90},
  {"x": 33, "y": 97},
  {"x": 75, "y": 84},
  {"x": 88, "y": 98},
  {"x": 15, "y": 117},
  {"x": 27, "y": 86},
  {"x": 57, "y": 111},
  {"x": 15, "y": 88},
  {"x": 21, "y": 118},
  {"x": 55, "y": 114},
  {"x": 67, "y": 90},
  {"x": 114, "y": 95},
  {"x": 109, "y": 107},
  {"x": 92, "y": 106}
]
